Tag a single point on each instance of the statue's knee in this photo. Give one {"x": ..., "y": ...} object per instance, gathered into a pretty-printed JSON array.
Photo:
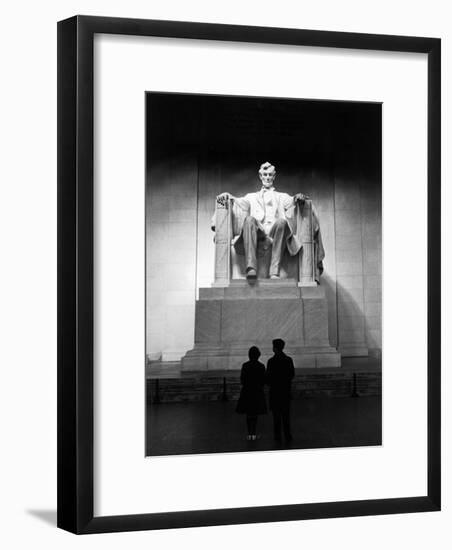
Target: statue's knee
[
  {"x": 280, "y": 222},
  {"x": 250, "y": 220}
]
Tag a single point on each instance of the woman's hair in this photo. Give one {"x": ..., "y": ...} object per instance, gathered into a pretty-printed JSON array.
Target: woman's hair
[{"x": 254, "y": 353}]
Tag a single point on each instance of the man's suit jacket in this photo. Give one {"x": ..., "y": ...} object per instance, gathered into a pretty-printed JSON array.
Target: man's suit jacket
[{"x": 279, "y": 374}]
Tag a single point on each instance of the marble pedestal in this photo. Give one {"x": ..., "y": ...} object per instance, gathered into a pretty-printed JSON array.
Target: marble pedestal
[{"x": 229, "y": 320}]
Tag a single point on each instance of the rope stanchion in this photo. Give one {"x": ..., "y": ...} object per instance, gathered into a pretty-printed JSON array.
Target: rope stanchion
[
  {"x": 224, "y": 395},
  {"x": 354, "y": 391},
  {"x": 156, "y": 399}
]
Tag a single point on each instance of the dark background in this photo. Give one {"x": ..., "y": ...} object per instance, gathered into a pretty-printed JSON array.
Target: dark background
[{"x": 247, "y": 131}]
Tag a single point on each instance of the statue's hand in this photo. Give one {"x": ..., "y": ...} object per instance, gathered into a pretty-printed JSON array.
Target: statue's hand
[
  {"x": 300, "y": 197},
  {"x": 223, "y": 198},
  {"x": 224, "y": 195}
]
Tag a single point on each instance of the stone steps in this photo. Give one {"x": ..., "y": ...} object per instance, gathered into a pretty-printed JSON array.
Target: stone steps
[{"x": 305, "y": 385}]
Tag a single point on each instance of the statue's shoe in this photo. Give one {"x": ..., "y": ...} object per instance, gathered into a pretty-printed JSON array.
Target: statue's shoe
[
  {"x": 275, "y": 277},
  {"x": 251, "y": 273}
]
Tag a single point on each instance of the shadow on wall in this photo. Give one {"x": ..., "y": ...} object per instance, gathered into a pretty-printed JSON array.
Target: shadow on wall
[
  {"x": 329, "y": 285},
  {"x": 358, "y": 333}
]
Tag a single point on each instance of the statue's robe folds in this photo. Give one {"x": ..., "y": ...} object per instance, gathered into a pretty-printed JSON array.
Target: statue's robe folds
[{"x": 295, "y": 213}]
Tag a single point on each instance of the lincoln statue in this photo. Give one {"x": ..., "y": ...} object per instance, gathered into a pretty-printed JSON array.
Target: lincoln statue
[
  {"x": 279, "y": 250},
  {"x": 271, "y": 219}
]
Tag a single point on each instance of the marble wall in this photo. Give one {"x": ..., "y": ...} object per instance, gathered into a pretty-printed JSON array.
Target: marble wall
[
  {"x": 171, "y": 249},
  {"x": 180, "y": 251},
  {"x": 358, "y": 265},
  {"x": 341, "y": 175}
]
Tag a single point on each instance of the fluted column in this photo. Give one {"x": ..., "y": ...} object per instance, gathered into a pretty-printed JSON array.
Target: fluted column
[
  {"x": 306, "y": 255},
  {"x": 223, "y": 236}
]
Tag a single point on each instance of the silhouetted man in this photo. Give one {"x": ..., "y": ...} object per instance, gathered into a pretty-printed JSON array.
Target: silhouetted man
[{"x": 279, "y": 375}]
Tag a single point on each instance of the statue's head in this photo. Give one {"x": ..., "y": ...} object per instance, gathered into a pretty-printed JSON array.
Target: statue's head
[{"x": 267, "y": 174}]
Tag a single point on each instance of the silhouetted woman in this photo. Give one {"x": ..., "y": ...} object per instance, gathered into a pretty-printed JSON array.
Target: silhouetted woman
[{"x": 252, "y": 397}]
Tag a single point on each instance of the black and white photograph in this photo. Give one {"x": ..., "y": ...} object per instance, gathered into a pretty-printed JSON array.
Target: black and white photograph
[
  {"x": 225, "y": 265},
  {"x": 263, "y": 274}
]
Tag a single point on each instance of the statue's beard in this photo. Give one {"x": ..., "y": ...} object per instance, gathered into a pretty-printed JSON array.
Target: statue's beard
[{"x": 267, "y": 184}]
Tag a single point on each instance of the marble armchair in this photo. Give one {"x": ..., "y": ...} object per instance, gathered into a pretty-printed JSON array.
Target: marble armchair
[{"x": 304, "y": 267}]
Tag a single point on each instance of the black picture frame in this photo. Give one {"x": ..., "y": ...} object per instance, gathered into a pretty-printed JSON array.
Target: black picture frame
[{"x": 75, "y": 274}]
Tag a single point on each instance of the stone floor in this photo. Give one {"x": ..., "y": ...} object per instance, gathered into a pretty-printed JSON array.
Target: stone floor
[{"x": 214, "y": 427}]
